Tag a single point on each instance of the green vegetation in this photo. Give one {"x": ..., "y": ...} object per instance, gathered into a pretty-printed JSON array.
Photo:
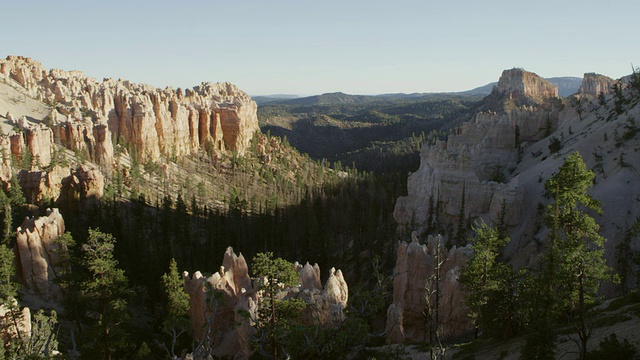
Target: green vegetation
[
  {"x": 104, "y": 291},
  {"x": 483, "y": 278},
  {"x": 359, "y": 130},
  {"x": 574, "y": 260}
]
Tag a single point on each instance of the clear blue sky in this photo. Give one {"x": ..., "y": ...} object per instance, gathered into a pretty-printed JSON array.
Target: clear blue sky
[{"x": 312, "y": 47}]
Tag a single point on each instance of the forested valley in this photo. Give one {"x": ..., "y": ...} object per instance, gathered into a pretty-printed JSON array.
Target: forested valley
[{"x": 135, "y": 271}]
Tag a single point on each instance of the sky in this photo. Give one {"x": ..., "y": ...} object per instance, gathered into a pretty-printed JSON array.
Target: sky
[{"x": 312, "y": 47}]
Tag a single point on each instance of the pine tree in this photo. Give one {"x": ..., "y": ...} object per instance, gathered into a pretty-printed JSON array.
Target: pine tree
[
  {"x": 575, "y": 252},
  {"x": 483, "y": 275},
  {"x": 106, "y": 291},
  {"x": 275, "y": 316},
  {"x": 177, "y": 322}
]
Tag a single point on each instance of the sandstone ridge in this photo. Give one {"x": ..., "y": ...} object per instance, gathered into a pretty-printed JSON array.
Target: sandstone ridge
[
  {"x": 519, "y": 83},
  {"x": 156, "y": 122}
]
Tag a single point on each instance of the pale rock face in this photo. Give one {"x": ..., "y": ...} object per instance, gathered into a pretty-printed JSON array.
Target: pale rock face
[
  {"x": 88, "y": 182},
  {"x": 5, "y": 159},
  {"x": 324, "y": 305},
  {"x": 156, "y": 121},
  {"x": 476, "y": 160},
  {"x": 92, "y": 138},
  {"x": 40, "y": 186},
  {"x": 521, "y": 83},
  {"x": 39, "y": 143},
  {"x": 234, "y": 283},
  {"x": 37, "y": 253},
  {"x": 414, "y": 265},
  {"x": 593, "y": 84}
]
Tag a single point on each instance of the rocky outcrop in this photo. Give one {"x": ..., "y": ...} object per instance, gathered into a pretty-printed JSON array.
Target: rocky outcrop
[
  {"x": 415, "y": 267},
  {"x": 518, "y": 83},
  {"x": 325, "y": 306},
  {"x": 37, "y": 253},
  {"x": 593, "y": 84},
  {"x": 84, "y": 183},
  {"x": 470, "y": 167},
  {"x": 5, "y": 159},
  {"x": 218, "y": 317},
  {"x": 154, "y": 121},
  {"x": 86, "y": 137},
  {"x": 473, "y": 167}
]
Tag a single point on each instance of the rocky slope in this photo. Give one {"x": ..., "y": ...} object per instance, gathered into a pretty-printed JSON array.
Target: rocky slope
[
  {"x": 494, "y": 167},
  {"x": 87, "y": 113}
]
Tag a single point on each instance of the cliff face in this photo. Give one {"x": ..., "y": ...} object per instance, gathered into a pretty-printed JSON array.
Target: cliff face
[
  {"x": 593, "y": 84},
  {"x": 518, "y": 83},
  {"x": 472, "y": 167},
  {"x": 154, "y": 121}
]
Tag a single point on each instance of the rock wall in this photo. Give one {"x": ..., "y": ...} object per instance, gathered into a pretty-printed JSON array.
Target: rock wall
[
  {"x": 229, "y": 331},
  {"x": 415, "y": 264},
  {"x": 518, "y": 83},
  {"x": 593, "y": 84},
  {"x": 37, "y": 253},
  {"x": 154, "y": 121},
  {"x": 84, "y": 183},
  {"x": 476, "y": 161}
]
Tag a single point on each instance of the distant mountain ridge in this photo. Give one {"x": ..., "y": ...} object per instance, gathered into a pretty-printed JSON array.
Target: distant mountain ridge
[{"x": 567, "y": 85}]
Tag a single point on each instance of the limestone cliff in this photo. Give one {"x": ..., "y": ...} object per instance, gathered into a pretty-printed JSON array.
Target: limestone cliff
[
  {"x": 216, "y": 319},
  {"x": 154, "y": 121},
  {"x": 593, "y": 84},
  {"x": 518, "y": 83}
]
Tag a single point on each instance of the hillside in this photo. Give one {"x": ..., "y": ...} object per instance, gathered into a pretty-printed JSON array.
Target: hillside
[
  {"x": 493, "y": 170},
  {"x": 355, "y": 129}
]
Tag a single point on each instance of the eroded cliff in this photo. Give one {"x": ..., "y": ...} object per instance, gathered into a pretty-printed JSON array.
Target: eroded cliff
[{"x": 154, "y": 122}]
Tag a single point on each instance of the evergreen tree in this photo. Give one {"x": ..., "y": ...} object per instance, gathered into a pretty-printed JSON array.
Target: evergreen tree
[
  {"x": 105, "y": 291},
  {"x": 275, "y": 316},
  {"x": 177, "y": 322},
  {"x": 574, "y": 257},
  {"x": 483, "y": 275}
]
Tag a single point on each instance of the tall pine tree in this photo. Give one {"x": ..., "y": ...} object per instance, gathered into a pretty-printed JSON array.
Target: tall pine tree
[{"x": 574, "y": 259}]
